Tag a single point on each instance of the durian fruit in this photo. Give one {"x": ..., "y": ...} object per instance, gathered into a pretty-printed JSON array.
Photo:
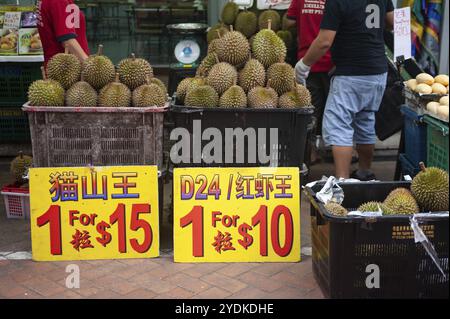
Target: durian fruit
[
  {"x": 401, "y": 202},
  {"x": 375, "y": 207},
  {"x": 81, "y": 94},
  {"x": 115, "y": 94},
  {"x": 216, "y": 31},
  {"x": 98, "y": 70},
  {"x": 46, "y": 92},
  {"x": 182, "y": 89},
  {"x": 234, "y": 97},
  {"x": 269, "y": 15},
  {"x": 222, "y": 76},
  {"x": 149, "y": 94},
  {"x": 430, "y": 188},
  {"x": 268, "y": 48},
  {"x": 246, "y": 23},
  {"x": 206, "y": 65},
  {"x": 134, "y": 71},
  {"x": 202, "y": 96},
  {"x": 19, "y": 167},
  {"x": 213, "y": 45},
  {"x": 336, "y": 209},
  {"x": 159, "y": 83},
  {"x": 287, "y": 38},
  {"x": 195, "y": 82},
  {"x": 252, "y": 75},
  {"x": 263, "y": 97},
  {"x": 64, "y": 68},
  {"x": 281, "y": 77},
  {"x": 299, "y": 96},
  {"x": 234, "y": 48},
  {"x": 229, "y": 12}
]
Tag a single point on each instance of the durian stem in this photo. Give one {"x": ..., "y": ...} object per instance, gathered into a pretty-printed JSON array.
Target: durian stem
[
  {"x": 100, "y": 49},
  {"x": 231, "y": 28},
  {"x": 217, "y": 58},
  {"x": 117, "y": 78},
  {"x": 20, "y": 154},
  {"x": 269, "y": 24},
  {"x": 422, "y": 166},
  {"x": 268, "y": 83},
  {"x": 218, "y": 33},
  {"x": 133, "y": 56},
  {"x": 66, "y": 50},
  {"x": 148, "y": 79},
  {"x": 44, "y": 76}
]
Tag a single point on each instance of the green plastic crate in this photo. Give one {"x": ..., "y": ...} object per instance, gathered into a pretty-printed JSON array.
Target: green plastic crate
[
  {"x": 14, "y": 126},
  {"x": 15, "y": 78},
  {"x": 437, "y": 142}
]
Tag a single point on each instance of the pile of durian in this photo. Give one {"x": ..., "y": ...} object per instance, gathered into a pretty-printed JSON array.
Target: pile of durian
[
  {"x": 429, "y": 193},
  {"x": 244, "y": 67},
  {"x": 97, "y": 82}
]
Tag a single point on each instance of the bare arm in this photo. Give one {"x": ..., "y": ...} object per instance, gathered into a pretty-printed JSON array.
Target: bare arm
[
  {"x": 390, "y": 20},
  {"x": 291, "y": 22},
  {"x": 75, "y": 48},
  {"x": 319, "y": 47}
]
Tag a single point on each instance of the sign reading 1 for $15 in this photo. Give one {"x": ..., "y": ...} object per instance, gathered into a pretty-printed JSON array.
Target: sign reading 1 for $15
[
  {"x": 236, "y": 215},
  {"x": 94, "y": 213}
]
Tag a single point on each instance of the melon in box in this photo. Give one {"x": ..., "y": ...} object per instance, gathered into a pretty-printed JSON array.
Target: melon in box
[
  {"x": 30, "y": 42},
  {"x": 9, "y": 42}
]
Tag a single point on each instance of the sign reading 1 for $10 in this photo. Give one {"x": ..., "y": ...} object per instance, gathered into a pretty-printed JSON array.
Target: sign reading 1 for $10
[
  {"x": 94, "y": 213},
  {"x": 236, "y": 215}
]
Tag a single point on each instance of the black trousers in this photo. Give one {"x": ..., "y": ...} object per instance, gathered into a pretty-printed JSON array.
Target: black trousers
[{"x": 318, "y": 84}]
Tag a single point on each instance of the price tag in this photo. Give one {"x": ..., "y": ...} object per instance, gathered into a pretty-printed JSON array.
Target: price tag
[
  {"x": 94, "y": 213},
  {"x": 402, "y": 33},
  {"x": 12, "y": 20},
  {"x": 236, "y": 215}
]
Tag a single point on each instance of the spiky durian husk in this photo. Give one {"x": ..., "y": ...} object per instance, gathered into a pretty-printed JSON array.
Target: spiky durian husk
[
  {"x": 64, "y": 68},
  {"x": 246, "y": 23},
  {"x": 222, "y": 76},
  {"x": 281, "y": 77},
  {"x": 268, "y": 48},
  {"x": 229, "y": 12},
  {"x": 335, "y": 209},
  {"x": 134, "y": 72},
  {"x": 252, "y": 75},
  {"x": 375, "y": 207},
  {"x": 46, "y": 93},
  {"x": 262, "y": 97},
  {"x": 233, "y": 97},
  {"x": 81, "y": 94},
  {"x": 431, "y": 189},
  {"x": 202, "y": 96},
  {"x": 19, "y": 167},
  {"x": 265, "y": 16},
  {"x": 233, "y": 48},
  {"x": 148, "y": 95},
  {"x": 115, "y": 95},
  {"x": 98, "y": 71}
]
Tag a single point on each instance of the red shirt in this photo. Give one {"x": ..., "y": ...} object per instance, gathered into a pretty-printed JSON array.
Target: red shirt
[
  {"x": 308, "y": 14},
  {"x": 58, "y": 21}
]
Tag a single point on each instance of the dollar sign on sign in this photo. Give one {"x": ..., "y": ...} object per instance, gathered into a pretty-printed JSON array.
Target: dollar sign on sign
[
  {"x": 247, "y": 239},
  {"x": 106, "y": 237}
]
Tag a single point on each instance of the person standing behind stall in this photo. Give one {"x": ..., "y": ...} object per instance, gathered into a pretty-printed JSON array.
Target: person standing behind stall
[
  {"x": 308, "y": 14},
  {"x": 354, "y": 30},
  {"x": 61, "y": 24}
]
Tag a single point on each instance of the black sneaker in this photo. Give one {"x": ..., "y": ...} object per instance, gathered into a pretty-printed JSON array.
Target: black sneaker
[{"x": 363, "y": 176}]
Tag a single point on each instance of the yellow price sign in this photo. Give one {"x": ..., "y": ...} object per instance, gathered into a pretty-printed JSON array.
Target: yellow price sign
[
  {"x": 94, "y": 213},
  {"x": 236, "y": 215}
]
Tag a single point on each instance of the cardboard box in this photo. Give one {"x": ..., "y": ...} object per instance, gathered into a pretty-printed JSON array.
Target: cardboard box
[
  {"x": 30, "y": 42},
  {"x": 9, "y": 42}
]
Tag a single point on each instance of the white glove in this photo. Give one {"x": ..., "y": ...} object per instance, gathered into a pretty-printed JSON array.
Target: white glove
[{"x": 301, "y": 72}]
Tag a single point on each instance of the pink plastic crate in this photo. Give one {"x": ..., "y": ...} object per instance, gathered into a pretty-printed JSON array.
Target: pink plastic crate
[{"x": 17, "y": 202}]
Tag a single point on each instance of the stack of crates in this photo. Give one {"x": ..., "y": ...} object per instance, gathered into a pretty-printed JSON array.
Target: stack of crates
[
  {"x": 415, "y": 133},
  {"x": 15, "y": 78},
  {"x": 437, "y": 142}
]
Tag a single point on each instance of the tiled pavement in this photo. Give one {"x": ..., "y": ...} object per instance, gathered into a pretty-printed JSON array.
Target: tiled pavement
[{"x": 160, "y": 277}]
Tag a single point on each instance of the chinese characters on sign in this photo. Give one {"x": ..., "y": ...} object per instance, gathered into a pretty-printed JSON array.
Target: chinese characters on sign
[
  {"x": 236, "y": 215},
  {"x": 94, "y": 213}
]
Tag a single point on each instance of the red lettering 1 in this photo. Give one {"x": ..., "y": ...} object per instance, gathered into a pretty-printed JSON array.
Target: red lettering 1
[
  {"x": 53, "y": 217},
  {"x": 195, "y": 217}
]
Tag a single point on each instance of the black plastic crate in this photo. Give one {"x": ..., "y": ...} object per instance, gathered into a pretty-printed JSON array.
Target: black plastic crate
[
  {"x": 344, "y": 246},
  {"x": 14, "y": 126},
  {"x": 292, "y": 125}
]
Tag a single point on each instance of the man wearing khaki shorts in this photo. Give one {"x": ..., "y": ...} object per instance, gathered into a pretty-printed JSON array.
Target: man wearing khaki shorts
[{"x": 353, "y": 29}]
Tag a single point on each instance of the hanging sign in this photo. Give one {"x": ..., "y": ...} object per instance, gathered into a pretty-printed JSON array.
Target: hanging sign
[
  {"x": 236, "y": 215},
  {"x": 402, "y": 33},
  {"x": 94, "y": 213}
]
